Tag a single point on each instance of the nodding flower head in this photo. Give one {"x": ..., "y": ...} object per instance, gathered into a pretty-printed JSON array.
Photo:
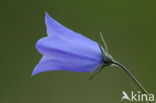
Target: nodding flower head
[{"x": 66, "y": 50}]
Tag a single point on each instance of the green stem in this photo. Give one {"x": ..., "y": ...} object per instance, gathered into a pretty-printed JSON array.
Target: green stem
[{"x": 131, "y": 76}]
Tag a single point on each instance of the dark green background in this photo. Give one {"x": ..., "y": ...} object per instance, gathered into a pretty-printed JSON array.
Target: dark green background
[{"x": 129, "y": 29}]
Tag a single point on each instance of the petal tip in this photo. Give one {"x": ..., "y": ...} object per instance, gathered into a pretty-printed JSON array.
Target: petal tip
[
  {"x": 47, "y": 16},
  {"x": 33, "y": 73},
  {"x": 46, "y": 13}
]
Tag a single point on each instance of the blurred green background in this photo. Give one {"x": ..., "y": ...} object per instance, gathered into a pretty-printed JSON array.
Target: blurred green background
[{"x": 129, "y": 29}]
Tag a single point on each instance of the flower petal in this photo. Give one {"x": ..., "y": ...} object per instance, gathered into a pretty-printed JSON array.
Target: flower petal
[
  {"x": 55, "y": 47},
  {"x": 55, "y": 29},
  {"x": 76, "y": 65}
]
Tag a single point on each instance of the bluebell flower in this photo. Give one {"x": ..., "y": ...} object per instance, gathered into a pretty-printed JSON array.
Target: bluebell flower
[{"x": 66, "y": 50}]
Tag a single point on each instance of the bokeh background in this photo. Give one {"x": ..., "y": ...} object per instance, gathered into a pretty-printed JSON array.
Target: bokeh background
[{"x": 129, "y": 29}]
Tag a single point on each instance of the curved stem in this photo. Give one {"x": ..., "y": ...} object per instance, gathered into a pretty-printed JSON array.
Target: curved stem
[{"x": 132, "y": 76}]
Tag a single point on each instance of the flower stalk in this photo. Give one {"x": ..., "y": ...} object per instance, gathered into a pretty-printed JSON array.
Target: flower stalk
[{"x": 131, "y": 76}]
